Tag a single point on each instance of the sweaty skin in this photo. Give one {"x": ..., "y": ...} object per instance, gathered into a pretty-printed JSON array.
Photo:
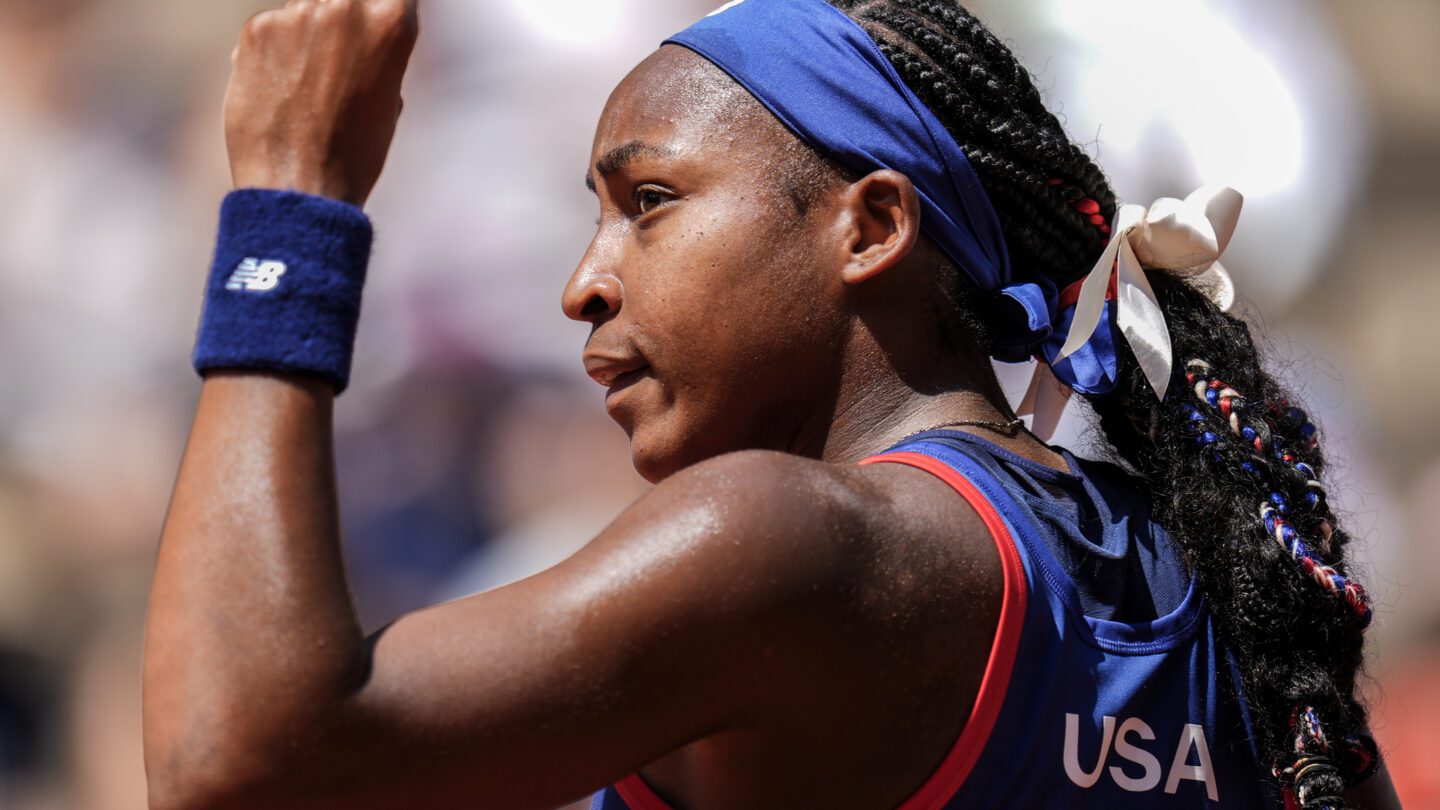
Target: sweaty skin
[{"x": 772, "y": 626}]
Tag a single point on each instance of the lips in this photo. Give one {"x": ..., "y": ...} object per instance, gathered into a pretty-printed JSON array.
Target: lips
[
  {"x": 626, "y": 379},
  {"x": 615, "y": 372},
  {"x": 609, "y": 374}
]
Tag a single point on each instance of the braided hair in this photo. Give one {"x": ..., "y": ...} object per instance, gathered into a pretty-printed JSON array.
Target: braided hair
[{"x": 1234, "y": 477}]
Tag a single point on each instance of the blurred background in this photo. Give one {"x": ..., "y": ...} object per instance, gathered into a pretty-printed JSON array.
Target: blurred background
[{"x": 473, "y": 450}]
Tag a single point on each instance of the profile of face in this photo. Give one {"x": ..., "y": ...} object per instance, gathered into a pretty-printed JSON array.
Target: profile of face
[{"x": 716, "y": 300}]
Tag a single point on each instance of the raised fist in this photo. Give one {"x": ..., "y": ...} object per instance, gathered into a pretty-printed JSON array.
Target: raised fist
[{"x": 315, "y": 95}]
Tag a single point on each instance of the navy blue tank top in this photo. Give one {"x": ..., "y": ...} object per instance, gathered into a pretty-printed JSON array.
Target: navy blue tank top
[{"x": 1106, "y": 684}]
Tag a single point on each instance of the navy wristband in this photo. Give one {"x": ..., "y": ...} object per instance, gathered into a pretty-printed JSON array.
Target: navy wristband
[{"x": 284, "y": 290}]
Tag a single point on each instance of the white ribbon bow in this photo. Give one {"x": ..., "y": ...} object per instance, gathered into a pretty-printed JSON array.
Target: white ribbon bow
[{"x": 1183, "y": 238}]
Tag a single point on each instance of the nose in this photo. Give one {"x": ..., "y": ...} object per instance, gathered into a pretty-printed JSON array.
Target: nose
[{"x": 594, "y": 293}]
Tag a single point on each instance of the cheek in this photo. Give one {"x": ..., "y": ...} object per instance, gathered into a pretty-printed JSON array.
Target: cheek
[
  {"x": 744, "y": 330},
  {"x": 742, "y": 312},
  {"x": 746, "y": 256}
]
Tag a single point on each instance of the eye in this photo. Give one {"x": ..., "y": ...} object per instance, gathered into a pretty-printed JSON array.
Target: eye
[{"x": 649, "y": 197}]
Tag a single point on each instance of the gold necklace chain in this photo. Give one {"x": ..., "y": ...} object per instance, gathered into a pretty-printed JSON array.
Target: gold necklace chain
[{"x": 1003, "y": 427}]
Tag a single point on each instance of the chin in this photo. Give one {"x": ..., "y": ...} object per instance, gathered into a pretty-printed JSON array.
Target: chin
[
  {"x": 653, "y": 470},
  {"x": 658, "y": 451},
  {"x": 654, "y": 465}
]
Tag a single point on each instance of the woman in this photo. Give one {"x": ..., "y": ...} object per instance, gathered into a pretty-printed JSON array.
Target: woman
[{"x": 817, "y": 224}]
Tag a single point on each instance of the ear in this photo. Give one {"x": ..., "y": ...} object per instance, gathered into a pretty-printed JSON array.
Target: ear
[{"x": 881, "y": 221}]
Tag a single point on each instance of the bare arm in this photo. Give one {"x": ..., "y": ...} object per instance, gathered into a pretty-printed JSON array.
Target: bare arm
[
  {"x": 250, "y": 631},
  {"x": 261, "y": 691},
  {"x": 247, "y": 627}
]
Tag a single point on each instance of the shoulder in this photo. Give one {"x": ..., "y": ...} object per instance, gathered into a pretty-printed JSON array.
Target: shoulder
[
  {"x": 758, "y": 528},
  {"x": 753, "y": 488},
  {"x": 811, "y": 591},
  {"x": 770, "y": 589},
  {"x": 754, "y": 511}
]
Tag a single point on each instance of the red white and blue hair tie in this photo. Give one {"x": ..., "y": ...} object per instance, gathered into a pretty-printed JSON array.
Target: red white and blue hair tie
[{"x": 1181, "y": 238}]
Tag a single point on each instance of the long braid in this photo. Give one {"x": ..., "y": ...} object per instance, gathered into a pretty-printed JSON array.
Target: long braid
[
  {"x": 1234, "y": 477},
  {"x": 1236, "y": 481}
]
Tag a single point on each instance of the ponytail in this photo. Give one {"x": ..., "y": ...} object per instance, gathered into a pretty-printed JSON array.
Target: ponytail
[
  {"x": 1233, "y": 464},
  {"x": 1236, "y": 480}
]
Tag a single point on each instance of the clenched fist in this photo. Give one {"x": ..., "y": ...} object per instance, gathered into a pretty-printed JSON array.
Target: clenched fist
[{"x": 315, "y": 95}]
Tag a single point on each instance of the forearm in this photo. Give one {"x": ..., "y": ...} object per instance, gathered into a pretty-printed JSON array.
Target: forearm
[{"x": 252, "y": 637}]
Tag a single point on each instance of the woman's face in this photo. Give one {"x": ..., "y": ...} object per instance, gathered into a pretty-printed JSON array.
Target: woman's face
[{"x": 716, "y": 306}]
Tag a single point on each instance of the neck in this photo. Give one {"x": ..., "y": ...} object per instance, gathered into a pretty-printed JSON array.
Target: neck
[
  {"x": 879, "y": 405},
  {"x": 900, "y": 376}
]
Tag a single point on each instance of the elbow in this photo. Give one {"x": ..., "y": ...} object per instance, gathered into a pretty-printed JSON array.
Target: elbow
[
  {"x": 183, "y": 788},
  {"x": 186, "y": 787},
  {"x": 213, "y": 774},
  {"x": 213, "y": 753},
  {"x": 169, "y": 793}
]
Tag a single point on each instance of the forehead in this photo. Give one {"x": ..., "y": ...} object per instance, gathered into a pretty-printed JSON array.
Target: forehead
[{"x": 679, "y": 100}]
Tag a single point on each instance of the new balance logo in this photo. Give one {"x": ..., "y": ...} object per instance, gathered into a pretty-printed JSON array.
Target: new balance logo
[{"x": 255, "y": 276}]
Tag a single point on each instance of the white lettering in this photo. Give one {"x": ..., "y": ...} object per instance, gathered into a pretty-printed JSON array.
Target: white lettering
[
  {"x": 254, "y": 275},
  {"x": 1072, "y": 752},
  {"x": 1133, "y": 753},
  {"x": 1193, "y": 737}
]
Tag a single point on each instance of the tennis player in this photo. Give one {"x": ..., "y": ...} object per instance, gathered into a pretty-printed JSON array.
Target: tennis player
[{"x": 861, "y": 581}]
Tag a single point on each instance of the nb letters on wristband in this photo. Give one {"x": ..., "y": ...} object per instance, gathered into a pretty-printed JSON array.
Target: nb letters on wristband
[{"x": 284, "y": 291}]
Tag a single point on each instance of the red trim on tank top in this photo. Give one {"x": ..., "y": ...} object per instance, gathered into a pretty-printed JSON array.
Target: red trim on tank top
[
  {"x": 942, "y": 785},
  {"x": 638, "y": 795},
  {"x": 947, "y": 779}
]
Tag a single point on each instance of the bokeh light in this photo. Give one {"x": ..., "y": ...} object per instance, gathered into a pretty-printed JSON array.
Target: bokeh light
[
  {"x": 571, "y": 21},
  {"x": 1183, "y": 64}
]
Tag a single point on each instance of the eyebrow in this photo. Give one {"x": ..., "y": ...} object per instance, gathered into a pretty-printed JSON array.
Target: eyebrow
[{"x": 621, "y": 156}]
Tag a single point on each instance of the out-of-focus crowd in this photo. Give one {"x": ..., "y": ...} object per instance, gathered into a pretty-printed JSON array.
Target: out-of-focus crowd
[{"x": 471, "y": 448}]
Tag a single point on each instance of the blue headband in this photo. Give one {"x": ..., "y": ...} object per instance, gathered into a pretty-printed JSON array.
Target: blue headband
[{"x": 823, "y": 76}]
